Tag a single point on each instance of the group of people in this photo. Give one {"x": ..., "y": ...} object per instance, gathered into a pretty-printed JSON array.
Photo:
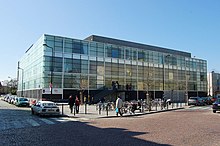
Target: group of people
[
  {"x": 119, "y": 104},
  {"x": 73, "y": 102},
  {"x": 76, "y": 102}
]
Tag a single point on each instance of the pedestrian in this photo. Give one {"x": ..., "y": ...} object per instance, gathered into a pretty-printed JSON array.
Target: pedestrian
[
  {"x": 163, "y": 102},
  {"x": 71, "y": 103},
  {"x": 117, "y": 85},
  {"x": 119, "y": 104},
  {"x": 77, "y": 103}
]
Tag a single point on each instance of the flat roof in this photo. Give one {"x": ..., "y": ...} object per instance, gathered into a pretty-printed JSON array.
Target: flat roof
[{"x": 136, "y": 45}]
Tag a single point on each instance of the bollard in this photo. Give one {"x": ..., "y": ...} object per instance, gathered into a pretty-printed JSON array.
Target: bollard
[
  {"x": 107, "y": 109},
  {"x": 99, "y": 109},
  {"x": 62, "y": 109},
  {"x": 142, "y": 108},
  {"x": 156, "y": 106},
  {"x": 74, "y": 109},
  {"x": 85, "y": 108}
]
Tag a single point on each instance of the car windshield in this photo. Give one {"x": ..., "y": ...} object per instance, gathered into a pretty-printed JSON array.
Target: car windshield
[{"x": 23, "y": 99}]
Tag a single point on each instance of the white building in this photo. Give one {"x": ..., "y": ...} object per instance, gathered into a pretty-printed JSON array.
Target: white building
[{"x": 213, "y": 83}]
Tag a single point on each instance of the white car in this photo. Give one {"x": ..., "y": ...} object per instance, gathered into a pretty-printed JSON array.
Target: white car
[
  {"x": 45, "y": 108},
  {"x": 13, "y": 98}
]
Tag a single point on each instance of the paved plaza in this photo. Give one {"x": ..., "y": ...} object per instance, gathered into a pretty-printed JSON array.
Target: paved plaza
[{"x": 92, "y": 111}]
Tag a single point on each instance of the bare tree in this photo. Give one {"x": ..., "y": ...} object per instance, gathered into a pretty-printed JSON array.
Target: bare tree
[
  {"x": 149, "y": 82},
  {"x": 83, "y": 86}
]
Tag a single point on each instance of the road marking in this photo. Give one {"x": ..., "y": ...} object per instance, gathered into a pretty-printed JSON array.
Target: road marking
[
  {"x": 33, "y": 122},
  {"x": 84, "y": 119},
  {"x": 60, "y": 119},
  {"x": 64, "y": 119},
  {"x": 18, "y": 124},
  {"x": 47, "y": 121}
]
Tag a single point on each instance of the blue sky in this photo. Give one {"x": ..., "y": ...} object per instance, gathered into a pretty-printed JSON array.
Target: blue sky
[{"x": 186, "y": 25}]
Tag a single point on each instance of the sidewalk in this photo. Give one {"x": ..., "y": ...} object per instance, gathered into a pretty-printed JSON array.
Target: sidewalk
[{"x": 90, "y": 111}]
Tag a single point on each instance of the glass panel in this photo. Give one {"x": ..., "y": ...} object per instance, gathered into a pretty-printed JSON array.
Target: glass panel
[
  {"x": 85, "y": 48},
  {"x": 92, "y": 82},
  {"x": 93, "y": 67},
  {"x": 134, "y": 55},
  {"x": 141, "y": 56}
]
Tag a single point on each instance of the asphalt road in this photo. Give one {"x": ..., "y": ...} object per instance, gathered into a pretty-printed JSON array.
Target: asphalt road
[{"x": 188, "y": 127}]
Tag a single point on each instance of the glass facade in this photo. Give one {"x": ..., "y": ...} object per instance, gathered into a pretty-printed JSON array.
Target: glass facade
[{"x": 71, "y": 64}]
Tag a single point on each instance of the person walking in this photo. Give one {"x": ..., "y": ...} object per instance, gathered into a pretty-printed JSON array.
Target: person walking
[
  {"x": 71, "y": 103},
  {"x": 119, "y": 104},
  {"x": 77, "y": 103}
]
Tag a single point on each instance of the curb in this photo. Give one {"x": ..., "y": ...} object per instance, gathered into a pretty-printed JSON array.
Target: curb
[
  {"x": 141, "y": 114},
  {"x": 131, "y": 115}
]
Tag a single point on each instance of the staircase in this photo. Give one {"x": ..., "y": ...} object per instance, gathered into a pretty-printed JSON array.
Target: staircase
[{"x": 103, "y": 94}]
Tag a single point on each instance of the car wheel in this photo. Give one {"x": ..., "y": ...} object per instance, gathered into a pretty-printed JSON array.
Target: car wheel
[{"x": 214, "y": 111}]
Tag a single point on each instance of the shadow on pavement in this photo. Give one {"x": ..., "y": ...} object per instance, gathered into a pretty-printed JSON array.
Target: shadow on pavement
[{"x": 73, "y": 134}]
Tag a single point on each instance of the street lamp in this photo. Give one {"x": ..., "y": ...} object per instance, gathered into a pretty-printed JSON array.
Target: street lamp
[
  {"x": 22, "y": 76},
  {"x": 51, "y": 70}
]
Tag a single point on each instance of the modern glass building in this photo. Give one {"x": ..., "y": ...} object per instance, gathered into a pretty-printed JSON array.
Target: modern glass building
[{"x": 55, "y": 67}]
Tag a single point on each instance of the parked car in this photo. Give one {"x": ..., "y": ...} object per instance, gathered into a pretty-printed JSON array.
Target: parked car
[
  {"x": 6, "y": 97},
  {"x": 207, "y": 100},
  {"x": 45, "y": 108},
  {"x": 9, "y": 99},
  {"x": 13, "y": 98},
  {"x": 22, "y": 101},
  {"x": 216, "y": 105},
  {"x": 213, "y": 99},
  {"x": 196, "y": 101}
]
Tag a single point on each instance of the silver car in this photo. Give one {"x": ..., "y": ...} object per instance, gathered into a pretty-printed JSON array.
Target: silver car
[
  {"x": 196, "y": 101},
  {"x": 45, "y": 108}
]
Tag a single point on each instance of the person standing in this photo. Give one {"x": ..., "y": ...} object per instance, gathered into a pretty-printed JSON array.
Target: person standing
[
  {"x": 119, "y": 104},
  {"x": 77, "y": 103},
  {"x": 71, "y": 103}
]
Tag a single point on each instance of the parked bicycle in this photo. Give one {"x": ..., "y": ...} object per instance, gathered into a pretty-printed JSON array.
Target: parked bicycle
[{"x": 110, "y": 106}]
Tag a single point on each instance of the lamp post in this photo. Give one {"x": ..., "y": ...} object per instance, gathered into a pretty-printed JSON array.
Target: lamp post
[
  {"x": 22, "y": 76},
  {"x": 51, "y": 69}
]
